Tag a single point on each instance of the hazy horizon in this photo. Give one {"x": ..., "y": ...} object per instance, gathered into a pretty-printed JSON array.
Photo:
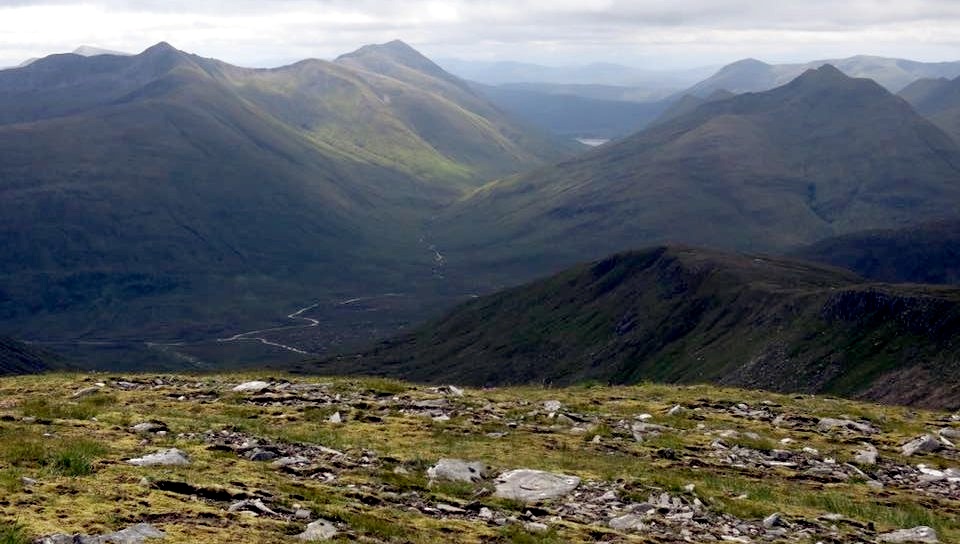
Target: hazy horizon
[{"x": 644, "y": 34}]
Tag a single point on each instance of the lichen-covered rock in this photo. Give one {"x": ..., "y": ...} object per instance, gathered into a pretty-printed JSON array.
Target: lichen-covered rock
[
  {"x": 131, "y": 535},
  {"x": 170, "y": 457},
  {"x": 921, "y": 534},
  {"x": 251, "y": 387},
  {"x": 317, "y": 531}
]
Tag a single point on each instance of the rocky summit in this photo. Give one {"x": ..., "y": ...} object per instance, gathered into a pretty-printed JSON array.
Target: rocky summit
[{"x": 227, "y": 458}]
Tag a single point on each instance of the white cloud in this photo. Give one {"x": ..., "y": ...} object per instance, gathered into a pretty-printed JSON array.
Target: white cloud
[{"x": 250, "y": 32}]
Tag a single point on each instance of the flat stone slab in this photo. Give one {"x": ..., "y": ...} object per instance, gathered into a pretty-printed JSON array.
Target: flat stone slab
[
  {"x": 528, "y": 485},
  {"x": 131, "y": 535},
  {"x": 251, "y": 387},
  {"x": 171, "y": 457},
  {"x": 921, "y": 534}
]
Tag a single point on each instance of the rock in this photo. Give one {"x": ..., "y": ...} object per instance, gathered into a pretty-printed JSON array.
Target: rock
[
  {"x": 171, "y": 457},
  {"x": 535, "y": 527},
  {"x": 85, "y": 392},
  {"x": 829, "y": 424},
  {"x": 131, "y": 535},
  {"x": 254, "y": 505},
  {"x": 335, "y": 418},
  {"x": 153, "y": 426},
  {"x": 318, "y": 530},
  {"x": 641, "y": 430},
  {"x": 485, "y": 513},
  {"x": 866, "y": 456},
  {"x": 251, "y": 387},
  {"x": 457, "y": 470},
  {"x": 302, "y": 513},
  {"x": 949, "y": 433},
  {"x": 922, "y": 444},
  {"x": 628, "y": 522},
  {"x": 449, "y": 508},
  {"x": 676, "y": 410},
  {"x": 28, "y": 482},
  {"x": 528, "y": 485},
  {"x": 552, "y": 406},
  {"x": 773, "y": 520},
  {"x": 260, "y": 454},
  {"x": 921, "y": 534},
  {"x": 452, "y": 390},
  {"x": 290, "y": 461}
]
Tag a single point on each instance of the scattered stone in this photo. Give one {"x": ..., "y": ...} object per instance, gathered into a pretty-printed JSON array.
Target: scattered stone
[
  {"x": 867, "y": 455},
  {"x": 29, "y": 482},
  {"x": 335, "y": 418},
  {"x": 676, "y": 410},
  {"x": 527, "y": 485},
  {"x": 830, "y": 424},
  {"x": 170, "y": 457},
  {"x": 252, "y": 505},
  {"x": 457, "y": 470},
  {"x": 131, "y": 535},
  {"x": 921, "y": 534},
  {"x": 153, "y": 426},
  {"x": 627, "y": 522},
  {"x": 318, "y": 530},
  {"x": 290, "y": 461},
  {"x": 922, "y": 444},
  {"x": 773, "y": 520},
  {"x": 86, "y": 392},
  {"x": 552, "y": 406},
  {"x": 949, "y": 433},
  {"x": 535, "y": 527},
  {"x": 251, "y": 387},
  {"x": 260, "y": 454}
]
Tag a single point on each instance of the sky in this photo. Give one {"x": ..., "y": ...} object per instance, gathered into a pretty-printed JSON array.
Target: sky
[{"x": 653, "y": 34}]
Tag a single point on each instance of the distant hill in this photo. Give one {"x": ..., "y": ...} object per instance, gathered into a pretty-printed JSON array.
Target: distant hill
[
  {"x": 823, "y": 155},
  {"x": 682, "y": 315},
  {"x": 923, "y": 254},
  {"x": 83, "y": 51},
  {"x": 19, "y": 358},
  {"x": 938, "y": 100},
  {"x": 751, "y": 75},
  {"x": 688, "y": 103},
  {"x": 166, "y": 194}
]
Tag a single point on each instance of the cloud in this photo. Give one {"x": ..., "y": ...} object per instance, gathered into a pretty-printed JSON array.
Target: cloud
[{"x": 253, "y": 32}]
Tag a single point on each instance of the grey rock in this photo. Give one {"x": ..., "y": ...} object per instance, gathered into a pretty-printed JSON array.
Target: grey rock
[
  {"x": 252, "y": 505},
  {"x": 318, "y": 530},
  {"x": 921, "y": 534},
  {"x": 866, "y": 455},
  {"x": 552, "y": 406},
  {"x": 950, "y": 433},
  {"x": 922, "y": 444},
  {"x": 251, "y": 387},
  {"x": 676, "y": 410},
  {"x": 260, "y": 454},
  {"x": 29, "y": 482},
  {"x": 528, "y": 485},
  {"x": 627, "y": 522},
  {"x": 131, "y": 535},
  {"x": 86, "y": 392},
  {"x": 773, "y": 520},
  {"x": 170, "y": 457},
  {"x": 290, "y": 461},
  {"x": 829, "y": 424},
  {"x": 457, "y": 470},
  {"x": 335, "y": 418},
  {"x": 149, "y": 427}
]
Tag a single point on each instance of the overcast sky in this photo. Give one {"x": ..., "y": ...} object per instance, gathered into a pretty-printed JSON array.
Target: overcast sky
[{"x": 646, "y": 33}]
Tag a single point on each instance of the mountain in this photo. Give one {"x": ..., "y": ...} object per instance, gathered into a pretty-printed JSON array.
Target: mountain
[
  {"x": 83, "y": 51},
  {"x": 823, "y": 155},
  {"x": 571, "y": 115},
  {"x": 938, "y": 100},
  {"x": 19, "y": 358},
  {"x": 682, "y": 315},
  {"x": 688, "y": 103},
  {"x": 168, "y": 195},
  {"x": 751, "y": 75},
  {"x": 922, "y": 254}
]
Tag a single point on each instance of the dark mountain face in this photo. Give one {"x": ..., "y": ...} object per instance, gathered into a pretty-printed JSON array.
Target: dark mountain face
[
  {"x": 939, "y": 101},
  {"x": 924, "y": 254},
  {"x": 19, "y": 358},
  {"x": 823, "y": 155},
  {"x": 683, "y": 315},
  {"x": 165, "y": 194}
]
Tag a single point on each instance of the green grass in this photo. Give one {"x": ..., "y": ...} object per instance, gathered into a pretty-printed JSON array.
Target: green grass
[
  {"x": 59, "y": 456},
  {"x": 75, "y": 459},
  {"x": 86, "y": 408},
  {"x": 13, "y": 533}
]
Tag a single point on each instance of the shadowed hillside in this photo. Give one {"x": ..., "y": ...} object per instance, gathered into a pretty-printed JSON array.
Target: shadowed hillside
[{"x": 673, "y": 314}]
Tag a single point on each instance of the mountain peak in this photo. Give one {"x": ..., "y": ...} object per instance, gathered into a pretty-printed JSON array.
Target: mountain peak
[{"x": 162, "y": 47}]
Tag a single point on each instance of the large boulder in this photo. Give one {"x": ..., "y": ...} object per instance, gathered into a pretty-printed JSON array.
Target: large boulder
[
  {"x": 526, "y": 485},
  {"x": 921, "y": 534},
  {"x": 923, "y": 444},
  {"x": 457, "y": 470},
  {"x": 251, "y": 387},
  {"x": 318, "y": 530}
]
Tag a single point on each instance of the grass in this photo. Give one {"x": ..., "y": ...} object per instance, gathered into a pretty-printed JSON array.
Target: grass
[
  {"x": 84, "y": 486},
  {"x": 13, "y": 533},
  {"x": 85, "y": 408}
]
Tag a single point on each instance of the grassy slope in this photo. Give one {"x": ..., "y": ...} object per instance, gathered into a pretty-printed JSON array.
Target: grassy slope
[
  {"x": 19, "y": 358},
  {"x": 685, "y": 315},
  {"x": 84, "y": 485},
  {"x": 939, "y": 101},
  {"x": 825, "y": 154}
]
